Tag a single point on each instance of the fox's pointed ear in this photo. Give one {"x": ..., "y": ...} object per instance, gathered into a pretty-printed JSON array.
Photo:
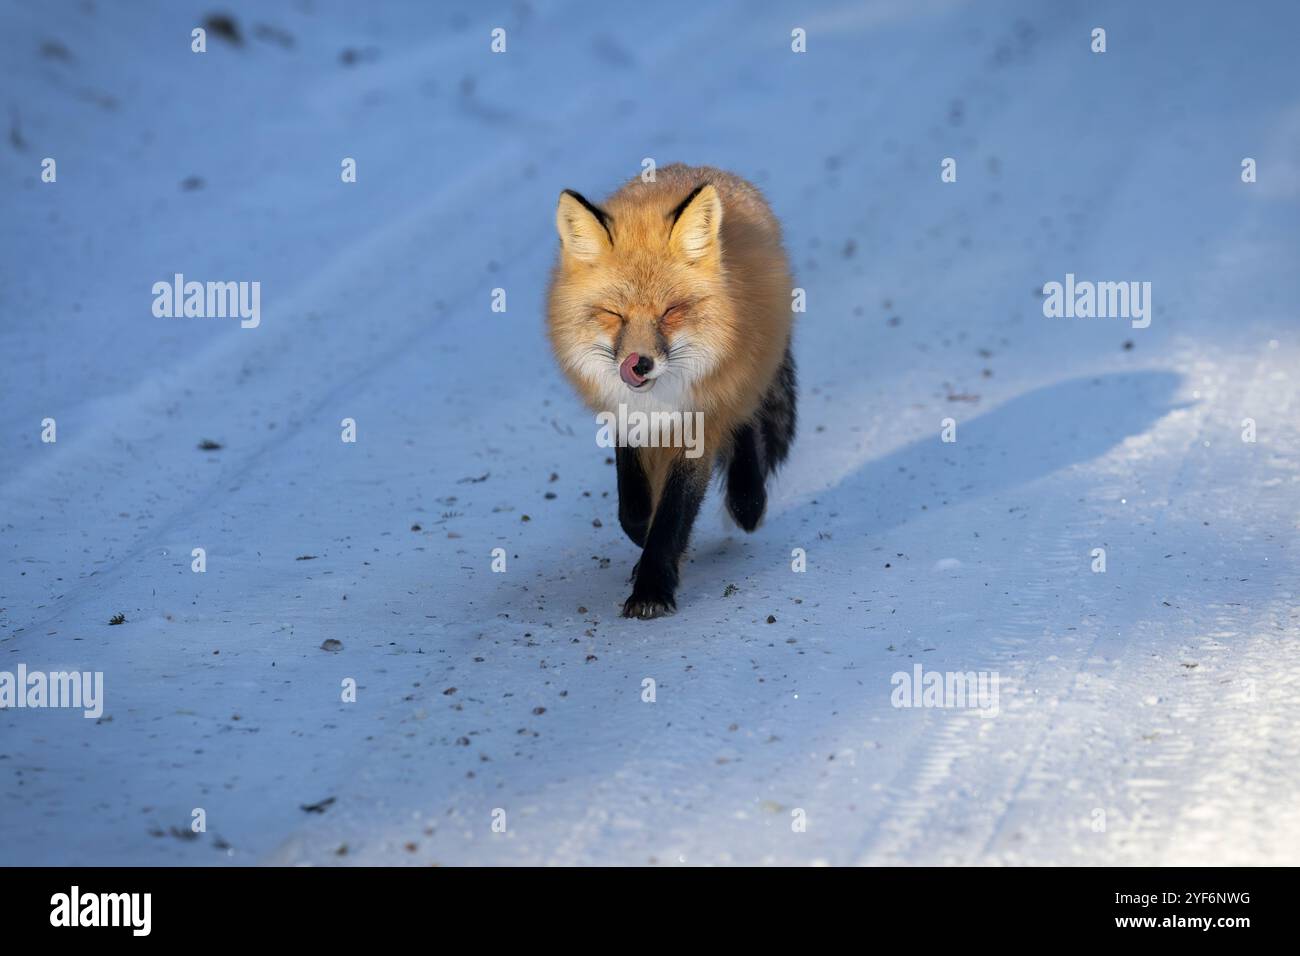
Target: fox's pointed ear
[
  {"x": 584, "y": 228},
  {"x": 697, "y": 222}
]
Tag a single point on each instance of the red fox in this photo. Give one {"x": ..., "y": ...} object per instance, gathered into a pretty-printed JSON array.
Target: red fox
[{"x": 675, "y": 297}]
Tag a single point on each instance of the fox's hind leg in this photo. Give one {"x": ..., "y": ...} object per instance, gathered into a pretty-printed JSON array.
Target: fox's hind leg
[
  {"x": 746, "y": 475},
  {"x": 633, "y": 495},
  {"x": 776, "y": 416},
  {"x": 759, "y": 446}
]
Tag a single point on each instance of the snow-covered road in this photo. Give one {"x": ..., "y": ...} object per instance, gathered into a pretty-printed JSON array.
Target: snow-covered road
[{"x": 1147, "y": 714}]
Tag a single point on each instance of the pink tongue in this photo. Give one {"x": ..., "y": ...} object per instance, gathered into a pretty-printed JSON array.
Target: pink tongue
[{"x": 626, "y": 372}]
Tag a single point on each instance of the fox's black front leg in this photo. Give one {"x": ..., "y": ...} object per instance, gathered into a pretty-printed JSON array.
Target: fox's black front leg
[
  {"x": 653, "y": 594},
  {"x": 633, "y": 495}
]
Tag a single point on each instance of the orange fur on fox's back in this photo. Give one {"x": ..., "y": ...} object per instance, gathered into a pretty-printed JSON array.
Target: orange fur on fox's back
[{"x": 617, "y": 289}]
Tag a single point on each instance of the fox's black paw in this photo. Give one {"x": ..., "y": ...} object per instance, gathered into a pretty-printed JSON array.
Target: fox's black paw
[
  {"x": 652, "y": 594},
  {"x": 646, "y": 607},
  {"x": 748, "y": 508}
]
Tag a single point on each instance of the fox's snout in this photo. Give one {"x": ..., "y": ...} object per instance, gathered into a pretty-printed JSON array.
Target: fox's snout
[
  {"x": 641, "y": 350},
  {"x": 636, "y": 368}
]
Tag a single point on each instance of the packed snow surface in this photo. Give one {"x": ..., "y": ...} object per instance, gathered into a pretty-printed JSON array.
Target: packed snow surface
[{"x": 1145, "y": 714}]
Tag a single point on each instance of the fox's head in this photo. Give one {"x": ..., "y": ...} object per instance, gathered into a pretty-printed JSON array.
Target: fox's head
[{"x": 638, "y": 305}]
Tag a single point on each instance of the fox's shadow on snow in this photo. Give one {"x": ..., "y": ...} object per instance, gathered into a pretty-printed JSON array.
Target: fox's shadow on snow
[
  {"x": 1029, "y": 437},
  {"x": 1022, "y": 440},
  {"x": 1026, "y": 438}
]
